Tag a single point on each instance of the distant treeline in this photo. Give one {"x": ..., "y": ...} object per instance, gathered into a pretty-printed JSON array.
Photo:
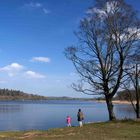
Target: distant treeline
[
  {"x": 6, "y": 94},
  {"x": 69, "y": 98},
  {"x": 126, "y": 95}
]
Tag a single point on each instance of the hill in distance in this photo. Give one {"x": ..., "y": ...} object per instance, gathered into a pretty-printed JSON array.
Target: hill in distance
[
  {"x": 6, "y": 94},
  {"x": 9, "y": 94}
]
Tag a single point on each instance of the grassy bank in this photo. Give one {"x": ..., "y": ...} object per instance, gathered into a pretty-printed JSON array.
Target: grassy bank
[{"x": 119, "y": 130}]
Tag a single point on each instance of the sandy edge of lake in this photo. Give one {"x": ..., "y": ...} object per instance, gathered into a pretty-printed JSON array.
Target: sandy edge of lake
[{"x": 117, "y": 102}]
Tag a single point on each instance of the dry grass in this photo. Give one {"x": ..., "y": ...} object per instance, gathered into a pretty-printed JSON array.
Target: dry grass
[{"x": 118, "y": 130}]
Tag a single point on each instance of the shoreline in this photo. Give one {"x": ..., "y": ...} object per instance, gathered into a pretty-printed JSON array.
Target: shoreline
[
  {"x": 100, "y": 131},
  {"x": 73, "y": 126},
  {"x": 116, "y": 102},
  {"x": 98, "y": 101}
]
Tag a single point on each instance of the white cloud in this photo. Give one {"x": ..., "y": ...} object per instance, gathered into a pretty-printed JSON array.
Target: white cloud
[
  {"x": 130, "y": 34},
  {"x": 134, "y": 31},
  {"x": 41, "y": 59},
  {"x": 12, "y": 69},
  {"x": 109, "y": 8},
  {"x": 45, "y": 11},
  {"x": 36, "y": 5},
  {"x": 33, "y": 5},
  {"x": 32, "y": 74},
  {"x": 101, "y": 13},
  {"x": 15, "y": 69}
]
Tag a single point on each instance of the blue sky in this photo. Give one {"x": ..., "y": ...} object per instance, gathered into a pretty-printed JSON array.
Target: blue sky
[{"x": 33, "y": 35}]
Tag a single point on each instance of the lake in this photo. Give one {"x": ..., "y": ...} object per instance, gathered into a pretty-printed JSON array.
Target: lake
[{"x": 42, "y": 115}]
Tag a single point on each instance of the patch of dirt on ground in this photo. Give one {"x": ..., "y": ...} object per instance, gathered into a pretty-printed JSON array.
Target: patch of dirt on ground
[
  {"x": 29, "y": 135},
  {"x": 53, "y": 136},
  {"x": 71, "y": 134},
  {"x": 2, "y": 136}
]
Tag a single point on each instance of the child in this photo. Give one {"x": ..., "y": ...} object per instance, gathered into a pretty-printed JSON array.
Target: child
[{"x": 68, "y": 120}]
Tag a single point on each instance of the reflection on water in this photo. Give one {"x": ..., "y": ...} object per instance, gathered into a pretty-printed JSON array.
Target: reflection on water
[
  {"x": 43, "y": 115},
  {"x": 10, "y": 108},
  {"x": 124, "y": 108},
  {"x": 124, "y": 111}
]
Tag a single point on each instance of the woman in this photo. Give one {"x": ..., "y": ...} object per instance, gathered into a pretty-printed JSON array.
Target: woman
[{"x": 80, "y": 117}]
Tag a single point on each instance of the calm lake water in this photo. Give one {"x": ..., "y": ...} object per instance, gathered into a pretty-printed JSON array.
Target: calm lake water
[{"x": 42, "y": 115}]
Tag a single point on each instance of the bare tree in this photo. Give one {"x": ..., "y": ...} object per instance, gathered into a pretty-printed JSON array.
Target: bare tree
[
  {"x": 133, "y": 78},
  {"x": 109, "y": 32}
]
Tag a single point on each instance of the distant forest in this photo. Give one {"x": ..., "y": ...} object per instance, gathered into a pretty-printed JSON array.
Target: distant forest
[
  {"x": 123, "y": 95},
  {"x": 126, "y": 95},
  {"x": 6, "y": 94}
]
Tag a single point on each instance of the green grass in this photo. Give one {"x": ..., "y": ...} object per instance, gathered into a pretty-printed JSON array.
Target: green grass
[{"x": 116, "y": 130}]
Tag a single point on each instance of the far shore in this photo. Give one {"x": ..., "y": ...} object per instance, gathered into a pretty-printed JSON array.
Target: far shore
[
  {"x": 116, "y": 102},
  {"x": 68, "y": 98}
]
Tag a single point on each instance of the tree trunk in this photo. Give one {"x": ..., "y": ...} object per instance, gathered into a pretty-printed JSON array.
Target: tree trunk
[
  {"x": 137, "y": 94},
  {"x": 137, "y": 111},
  {"x": 110, "y": 109}
]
